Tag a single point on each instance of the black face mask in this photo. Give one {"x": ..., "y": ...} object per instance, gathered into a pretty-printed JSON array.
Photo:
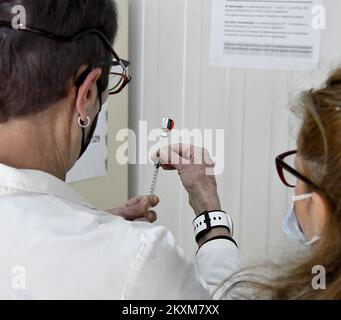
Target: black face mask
[{"x": 87, "y": 140}]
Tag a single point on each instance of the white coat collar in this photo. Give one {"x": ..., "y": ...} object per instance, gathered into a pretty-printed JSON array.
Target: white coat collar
[{"x": 34, "y": 181}]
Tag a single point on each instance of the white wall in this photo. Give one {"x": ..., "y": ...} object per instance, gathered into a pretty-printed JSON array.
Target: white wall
[{"x": 169, "y": 46}]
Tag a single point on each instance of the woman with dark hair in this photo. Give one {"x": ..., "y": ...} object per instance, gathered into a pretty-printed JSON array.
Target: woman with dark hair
[{"x": 56, "y": 71}]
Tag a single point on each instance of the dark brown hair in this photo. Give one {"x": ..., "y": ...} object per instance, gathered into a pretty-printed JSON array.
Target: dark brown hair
[
  {"x": 34, "y": 70},
  {"x": 319, "y": 145}
]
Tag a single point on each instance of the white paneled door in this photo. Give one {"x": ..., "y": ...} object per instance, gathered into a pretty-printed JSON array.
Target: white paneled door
[{"x": 169, "y": 51}]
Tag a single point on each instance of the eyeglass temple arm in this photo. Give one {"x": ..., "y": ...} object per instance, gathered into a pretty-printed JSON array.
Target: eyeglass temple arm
[{"x": 64, "y": 38}]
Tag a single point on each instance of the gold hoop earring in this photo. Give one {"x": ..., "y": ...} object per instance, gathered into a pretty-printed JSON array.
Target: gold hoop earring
[{"x": 80, "y": 122}]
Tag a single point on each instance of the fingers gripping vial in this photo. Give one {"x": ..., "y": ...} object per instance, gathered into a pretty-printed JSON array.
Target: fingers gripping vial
[{"x": 167, "y": 127}]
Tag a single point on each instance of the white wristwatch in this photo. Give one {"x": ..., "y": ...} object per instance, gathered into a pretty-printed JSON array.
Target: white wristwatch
[{"x": 210, "y": 220}]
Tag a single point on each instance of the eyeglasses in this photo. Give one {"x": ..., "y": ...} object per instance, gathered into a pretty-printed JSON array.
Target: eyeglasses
[
  {"x": 288, "y": 174},
  {"x": 118, "y": 74}
]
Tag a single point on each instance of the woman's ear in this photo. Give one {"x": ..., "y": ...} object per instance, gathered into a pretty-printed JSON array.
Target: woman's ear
[
  {"x": 319, "y": 213},
  {"x": 88, "y": 94}
]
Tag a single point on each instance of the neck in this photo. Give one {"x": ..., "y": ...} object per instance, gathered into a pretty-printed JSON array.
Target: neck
[{"x": 31, "y": 144}]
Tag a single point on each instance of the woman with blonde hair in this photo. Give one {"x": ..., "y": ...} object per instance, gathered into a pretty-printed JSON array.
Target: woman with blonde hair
[{"x": 314, "y": 221}]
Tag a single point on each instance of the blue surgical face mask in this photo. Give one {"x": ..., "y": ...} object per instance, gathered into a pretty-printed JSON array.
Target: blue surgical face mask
[{"x": 291, "y": 225}]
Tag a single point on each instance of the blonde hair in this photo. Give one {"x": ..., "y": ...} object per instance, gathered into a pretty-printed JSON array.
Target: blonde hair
[{"x": 319, "y": 145}]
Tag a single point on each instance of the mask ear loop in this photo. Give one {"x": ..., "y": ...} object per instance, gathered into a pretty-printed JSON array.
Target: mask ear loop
[
  {"x": 82, "y": 78},
  {"x": 302, "y": 197},
  {"x": 78, "y": 83},
  {"x": 313, "y": 240},
  {"x": 83, "y": 127},
  {"x": 99, "y": 98}
]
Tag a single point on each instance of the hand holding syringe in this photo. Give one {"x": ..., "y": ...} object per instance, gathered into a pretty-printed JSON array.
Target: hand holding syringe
[{"x": 167, "y": 127}]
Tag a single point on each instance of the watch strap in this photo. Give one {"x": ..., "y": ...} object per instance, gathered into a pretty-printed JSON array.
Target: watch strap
[{"x": 209, "y": 220}]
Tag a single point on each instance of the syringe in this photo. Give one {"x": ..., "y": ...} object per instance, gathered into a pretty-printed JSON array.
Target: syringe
[
  {"x": 154, "y": 181},
  {"x": 167, "y": 127}
]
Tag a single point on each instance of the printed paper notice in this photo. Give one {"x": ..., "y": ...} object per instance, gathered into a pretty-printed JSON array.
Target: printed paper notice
[
  {"x": 277, "y": 35},
  {"x": 93, "y": 163}
]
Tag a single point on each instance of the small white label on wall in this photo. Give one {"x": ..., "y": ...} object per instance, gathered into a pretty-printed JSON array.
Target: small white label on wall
[
  {"x": 93, "y": 163},
  {"x": 277, "y": 35}
]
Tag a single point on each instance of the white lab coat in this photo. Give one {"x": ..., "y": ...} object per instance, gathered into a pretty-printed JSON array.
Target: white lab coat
[{"x": 56, "y": 245}]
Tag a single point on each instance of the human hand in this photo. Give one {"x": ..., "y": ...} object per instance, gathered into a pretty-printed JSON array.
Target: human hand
[
  {"x": 137, "y": 209},
  {"x": 193, "y": 165}
]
